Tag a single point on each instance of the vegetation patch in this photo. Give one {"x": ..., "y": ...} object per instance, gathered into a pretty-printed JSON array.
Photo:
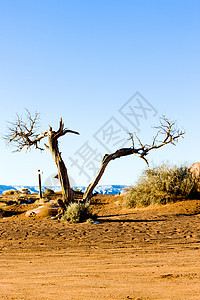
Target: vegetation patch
[
  {"x": 11, "y": 192},
  {"x": 160, "y": 185},
  {"x": 48, "y": 192},
  {"x": 77, "y": 212}
]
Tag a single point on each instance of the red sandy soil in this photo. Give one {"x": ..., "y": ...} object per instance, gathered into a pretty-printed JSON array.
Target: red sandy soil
[{"x": 150, "y": 253}]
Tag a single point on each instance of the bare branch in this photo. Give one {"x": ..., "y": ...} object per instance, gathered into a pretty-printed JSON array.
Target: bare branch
[
  {"x": 170, "y": 135},
  {"x": 62, "y": 131},
  {"x": 22, "y": 133},
  {"x": 139, "y": 141},
  {"x": 167, "y": 133},
  {"x": 132, "y": 139}
]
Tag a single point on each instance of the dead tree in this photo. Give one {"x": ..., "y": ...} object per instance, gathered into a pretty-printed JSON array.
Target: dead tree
[
  {"x": 23, "y": 135},
  {"x": 167, "y": 133}
]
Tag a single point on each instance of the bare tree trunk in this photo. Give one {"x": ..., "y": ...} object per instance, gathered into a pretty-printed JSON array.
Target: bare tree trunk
[
  {"x": 88, "y": 193},
  {"x": 62, "y": 170},
  {"x": 107, "y": 158},
  {"x": 22, "y": 134}
]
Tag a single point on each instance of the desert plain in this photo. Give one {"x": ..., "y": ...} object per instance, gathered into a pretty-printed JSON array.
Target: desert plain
[{"x": 146, "y": 253}]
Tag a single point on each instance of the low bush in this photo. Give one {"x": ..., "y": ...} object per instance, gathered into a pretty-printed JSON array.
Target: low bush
[
  {"x": 160, "y": 185},
  {"x": 48, "y": 192},
  {"x": 77, "y": 212},
  {"x": 11, "y": 192}
]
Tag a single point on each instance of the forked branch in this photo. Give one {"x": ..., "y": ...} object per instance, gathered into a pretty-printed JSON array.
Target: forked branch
[
  {"x": 167, "y": 133},
  {"x": 22, "y": 133}
]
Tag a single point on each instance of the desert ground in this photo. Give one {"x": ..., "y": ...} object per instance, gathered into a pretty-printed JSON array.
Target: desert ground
[{"x": 147, "y": 253}]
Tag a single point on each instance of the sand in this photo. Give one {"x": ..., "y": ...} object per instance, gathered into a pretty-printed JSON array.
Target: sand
[{"x": 150, "y": 253}]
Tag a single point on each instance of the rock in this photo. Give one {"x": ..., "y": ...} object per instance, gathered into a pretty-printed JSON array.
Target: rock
[
  {"x": 33, "y": 212},
  {"x": 43, "y": 210},
  {"x": 195, "y": 170}
]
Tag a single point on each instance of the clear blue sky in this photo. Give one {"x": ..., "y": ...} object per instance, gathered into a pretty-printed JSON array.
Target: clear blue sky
[{"x": 83, "y": 60}]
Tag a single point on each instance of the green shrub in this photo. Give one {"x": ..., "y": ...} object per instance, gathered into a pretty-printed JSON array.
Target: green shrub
[
  {"x": 48, "y": 192},
  {"x": 160, "y": 185},
  {"x": 77, "y": 212}
]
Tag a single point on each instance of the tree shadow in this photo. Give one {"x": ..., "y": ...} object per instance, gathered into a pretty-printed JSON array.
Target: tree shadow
[
  {"x": 10, "y": 213},
  {"x": 104, "y": 219},
  {"x": 128, "y": 221},
  {"x": 117, "y": 215},
  {"x": 187, "y": 215}
]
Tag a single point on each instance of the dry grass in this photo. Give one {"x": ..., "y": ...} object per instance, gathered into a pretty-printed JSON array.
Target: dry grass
[
  {"x": 77, "y": 212},
  {"x": 160, "y": 185}
]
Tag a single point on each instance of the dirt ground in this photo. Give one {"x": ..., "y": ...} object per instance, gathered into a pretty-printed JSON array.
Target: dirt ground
[{"x": 150, "y": 253}]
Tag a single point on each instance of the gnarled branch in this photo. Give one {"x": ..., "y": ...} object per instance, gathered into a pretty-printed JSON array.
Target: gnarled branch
[
  {"x": 23, "y": 135},
  {"x": 166, "y": 130}
]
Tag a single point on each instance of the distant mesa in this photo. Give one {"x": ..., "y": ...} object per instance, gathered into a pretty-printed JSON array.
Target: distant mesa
[{"x": 101, "y": 189}]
